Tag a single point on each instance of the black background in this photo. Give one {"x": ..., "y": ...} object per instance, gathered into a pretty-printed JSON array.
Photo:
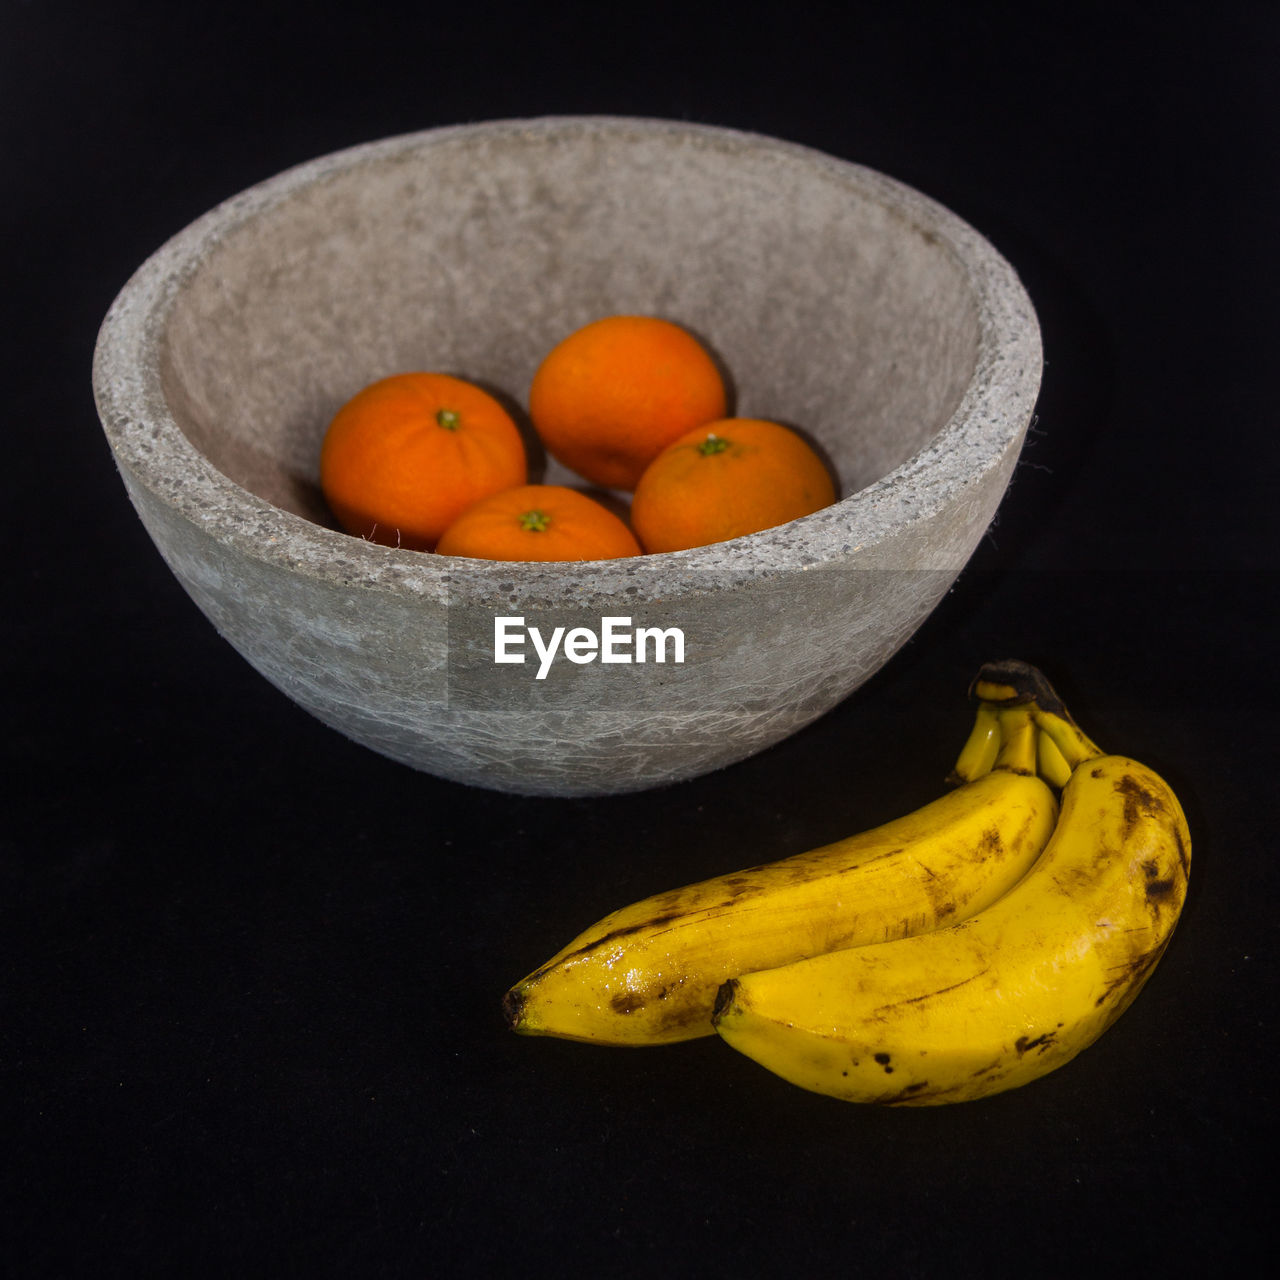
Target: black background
[{"x": 252, "y": 972}]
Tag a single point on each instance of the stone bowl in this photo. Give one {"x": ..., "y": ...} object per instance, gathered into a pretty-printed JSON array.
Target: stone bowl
[{"x": 838, "y": 300}]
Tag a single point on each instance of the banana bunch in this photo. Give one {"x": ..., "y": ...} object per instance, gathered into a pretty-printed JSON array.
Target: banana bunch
[
  {"x": 649, "y": 973},
  {"x": 898, "y": 967}
]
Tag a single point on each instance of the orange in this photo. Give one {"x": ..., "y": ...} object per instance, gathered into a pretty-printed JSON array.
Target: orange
[
  {"x": 613, "y": 394},
  {"x": 538, "y": 522},
  {"x": 408, "y": 454},
  {"x": 727, "y": 479}
]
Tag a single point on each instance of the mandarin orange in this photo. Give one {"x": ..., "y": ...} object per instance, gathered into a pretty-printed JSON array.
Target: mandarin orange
[
  {"x": 538, "y": 522},
  {"x": 403, "y": 458},
  {"x": 612, "y": 395},
  {"x": 727, "y": 479}
]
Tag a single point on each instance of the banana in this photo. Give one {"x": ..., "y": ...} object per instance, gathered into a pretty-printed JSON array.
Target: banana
[
  {"x": 1014, "y": 991},
  {"x": 649, "y": 973}
]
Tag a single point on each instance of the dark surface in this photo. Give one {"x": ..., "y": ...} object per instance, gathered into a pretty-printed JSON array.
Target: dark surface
[{"x": 252, "y": 972}]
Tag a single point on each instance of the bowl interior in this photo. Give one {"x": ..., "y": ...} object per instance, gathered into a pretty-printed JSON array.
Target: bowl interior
[{"x": 473, "y": 252}]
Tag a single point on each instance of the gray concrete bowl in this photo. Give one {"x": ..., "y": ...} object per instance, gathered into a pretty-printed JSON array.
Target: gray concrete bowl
[{"x": 839, "y": 300}]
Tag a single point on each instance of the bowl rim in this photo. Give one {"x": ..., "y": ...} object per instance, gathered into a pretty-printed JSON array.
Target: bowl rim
[{"x": 989, "y": 420}]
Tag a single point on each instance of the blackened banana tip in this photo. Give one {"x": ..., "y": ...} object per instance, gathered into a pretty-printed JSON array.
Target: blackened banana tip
[
  {"x": 724, "y": 998},
  {"x": 1029, "y": 684},
  {"x": 513, "y": 1008}
]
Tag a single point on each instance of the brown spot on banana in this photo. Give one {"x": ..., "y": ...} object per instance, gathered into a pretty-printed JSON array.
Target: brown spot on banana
[
  {"x": 939, "y": 891},
  {"x": 1129, "y": 977},
  {"x": 612, "y": 936},
  {"x": 989, "y": 843},
  {"x": 1139, "y": 802},
  {"x": 1184, "y": 855},
  {"x": 881, "y": 1010},
  {"x": 911, "y": 1093},
  {"x": 1023, "y": 1044}
]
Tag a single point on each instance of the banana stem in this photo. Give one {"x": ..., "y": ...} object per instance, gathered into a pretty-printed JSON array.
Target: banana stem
[
  {"x": 1051, "y": 764},
  {"x": 978, "y": 754},
  {"x": 1066, "y": 736},
  {"x": 1059, "y": 746},
  {"x": 1021, "y": 725},
  {"x": 1018, "y": 740}
]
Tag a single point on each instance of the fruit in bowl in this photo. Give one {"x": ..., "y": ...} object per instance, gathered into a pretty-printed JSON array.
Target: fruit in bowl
[
  {"x": 428, "y": 461},
  {"x": 410, "y": 453}
]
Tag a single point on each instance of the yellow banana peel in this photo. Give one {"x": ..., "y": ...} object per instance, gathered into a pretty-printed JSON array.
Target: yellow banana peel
[
  {"x": 967, "y": 948},
  {"x": 1014, "y": 991},
  {"x": 649, "y": 973}
]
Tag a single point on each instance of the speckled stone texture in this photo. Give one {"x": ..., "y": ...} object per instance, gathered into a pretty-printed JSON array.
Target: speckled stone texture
[{"x": 839, "y": 301}]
